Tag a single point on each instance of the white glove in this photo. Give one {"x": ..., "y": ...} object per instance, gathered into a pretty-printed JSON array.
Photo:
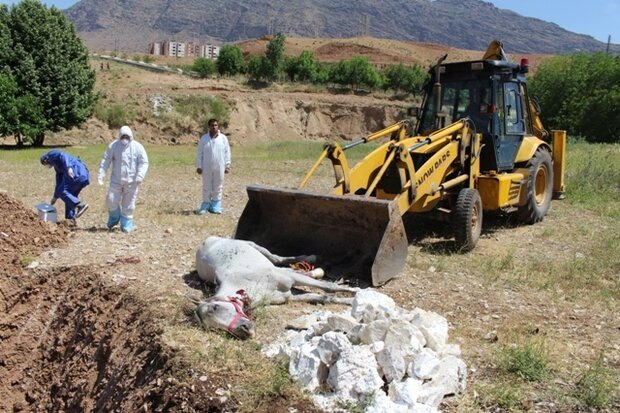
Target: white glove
[
  {"x": 53, "y": 200},
  {"x": 71, "y": 173},
  {"x": 100, "y": 180}
]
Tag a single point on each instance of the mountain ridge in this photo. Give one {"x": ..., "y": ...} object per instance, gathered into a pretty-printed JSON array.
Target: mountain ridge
[{"x": 129, "y": 25}]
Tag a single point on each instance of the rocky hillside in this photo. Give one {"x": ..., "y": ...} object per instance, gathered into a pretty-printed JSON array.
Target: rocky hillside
[{"x": 130, "y": 25}]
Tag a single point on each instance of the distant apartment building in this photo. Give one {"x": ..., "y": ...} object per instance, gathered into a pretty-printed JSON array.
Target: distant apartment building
[
  {"x": 155, "y": 48},
  {"x": 183, "y": 49}
]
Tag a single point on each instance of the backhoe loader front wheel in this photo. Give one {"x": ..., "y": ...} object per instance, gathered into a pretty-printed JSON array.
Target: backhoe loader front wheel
[
  {"x": 467, "y": 219},
  {"x": 539, "y": 188}
]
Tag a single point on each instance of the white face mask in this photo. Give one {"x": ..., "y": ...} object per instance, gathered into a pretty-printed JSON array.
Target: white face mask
[{"x": 125, "y": 142}]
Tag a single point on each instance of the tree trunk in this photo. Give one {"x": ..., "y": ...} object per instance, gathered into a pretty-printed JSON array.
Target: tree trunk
[{"x": 38, "y": 140}]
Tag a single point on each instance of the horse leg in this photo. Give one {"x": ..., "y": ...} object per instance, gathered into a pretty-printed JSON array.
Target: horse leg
[
  {"x": 315, "y": 298},
  {"x": 298, "y": 279},
  {"x": 279, "y": 260}
]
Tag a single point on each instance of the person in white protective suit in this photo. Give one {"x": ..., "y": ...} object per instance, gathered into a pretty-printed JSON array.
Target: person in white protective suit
[
  {"x": 129, "y": 165},
  {"x": 212, "y": 162}
]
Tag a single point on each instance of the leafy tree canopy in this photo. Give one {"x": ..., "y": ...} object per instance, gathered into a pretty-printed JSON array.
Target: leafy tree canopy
[
  {"x": 274, "y": 56},
  {"x": 355, "y": 72},
  {"x": 581, "y": 94},
  {"x": 204, "y": 67},
  {"x": 230, "y": 61},
  {"x": 41, "y": 52}
]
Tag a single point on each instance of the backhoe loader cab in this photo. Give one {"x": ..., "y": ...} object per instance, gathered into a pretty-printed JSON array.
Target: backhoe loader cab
[
  {"x": 477, "y": 145},
  {"x": 493, "y": 94}
]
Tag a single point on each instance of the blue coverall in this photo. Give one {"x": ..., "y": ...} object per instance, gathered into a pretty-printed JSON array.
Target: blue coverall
[{"x": 71, "y": 177}]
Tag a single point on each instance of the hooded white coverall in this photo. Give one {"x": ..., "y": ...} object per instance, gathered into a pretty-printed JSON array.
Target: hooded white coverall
[
  {"x": 129, "y": 165},
  {"x": 213, "y": 158}
]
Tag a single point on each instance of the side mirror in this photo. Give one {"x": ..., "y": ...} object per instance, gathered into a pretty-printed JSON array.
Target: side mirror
[{"x": 413, "y": 112}]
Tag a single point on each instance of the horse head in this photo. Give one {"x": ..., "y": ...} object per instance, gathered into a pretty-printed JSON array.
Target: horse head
[{"x": 227, "y": 313}]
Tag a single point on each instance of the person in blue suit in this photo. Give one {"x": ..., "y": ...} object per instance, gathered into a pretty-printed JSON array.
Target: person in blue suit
[{"x": 71, "y": 177}]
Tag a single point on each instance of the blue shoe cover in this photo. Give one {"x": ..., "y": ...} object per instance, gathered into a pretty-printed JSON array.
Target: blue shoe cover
[
  {"x": 204, "y": 208},
  {"x": 216, "y": 207},
  {"x": 113, "y": 218},
  {"x": 127, "y": 224}
]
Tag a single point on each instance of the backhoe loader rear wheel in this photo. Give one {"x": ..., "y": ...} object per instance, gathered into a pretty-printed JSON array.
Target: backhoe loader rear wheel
[
  {"x": 467, "y": 219},
  {"x": 539, "y": 188}
]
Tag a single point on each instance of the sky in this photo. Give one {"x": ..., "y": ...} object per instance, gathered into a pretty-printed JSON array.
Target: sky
[{"x": 597, "y": 18}]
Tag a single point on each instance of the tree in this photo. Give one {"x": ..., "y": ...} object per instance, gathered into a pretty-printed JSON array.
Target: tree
[
  {"x": 307, "y": 67},
  {"x": 275, "y": 56},
  {"x": 363, "y": 73},
  {"x": 580, "y": 93},
  {"x": 303, "y": 68},
  {"x": 204, "y": 67},
  {"x": 400, "y": 78},
  {"x": 257, "y": 68},
  {"x": 339, "y": 73},
  {"x": 356, "y": 72},
  {"x": 230, "y": 61},
  {"x": 49, "y": 64},
  {"x": 6, "y": 43}
]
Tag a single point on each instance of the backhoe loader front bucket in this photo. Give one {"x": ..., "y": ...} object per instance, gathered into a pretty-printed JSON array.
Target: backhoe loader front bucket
[{"x": 353, "y": 236}]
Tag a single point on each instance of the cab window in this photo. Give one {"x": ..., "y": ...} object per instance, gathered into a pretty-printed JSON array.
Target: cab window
[{"x": 513, "y": 110}]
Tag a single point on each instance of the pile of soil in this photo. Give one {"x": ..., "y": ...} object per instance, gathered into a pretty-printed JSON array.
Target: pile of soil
[
  {"x": 24, "y": 235},
  {"x": 70, "y": 341}
]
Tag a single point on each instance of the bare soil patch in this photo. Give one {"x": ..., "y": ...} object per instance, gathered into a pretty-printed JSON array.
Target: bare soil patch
[
  {"x": 23, "y": 235},
  {"x": 379, "y": 51},
  {"x": 72, "y": 339}
]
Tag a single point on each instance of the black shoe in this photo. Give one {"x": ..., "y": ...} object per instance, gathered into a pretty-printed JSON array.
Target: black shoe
[{"x": 80, "y": 209}]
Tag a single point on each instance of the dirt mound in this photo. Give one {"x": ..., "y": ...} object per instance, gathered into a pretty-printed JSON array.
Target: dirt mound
[
  {"x": 72, "y": 343},
  {"x": 23, "y": 235}
]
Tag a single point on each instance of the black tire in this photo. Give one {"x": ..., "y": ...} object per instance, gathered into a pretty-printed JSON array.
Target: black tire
[
  {"x": 467, "y": 219},
  {"x": 539, "y": 188}
]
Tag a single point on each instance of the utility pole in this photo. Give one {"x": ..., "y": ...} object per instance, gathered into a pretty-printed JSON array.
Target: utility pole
[
  {"x": 608, "y": 43},
  {"x": 364, "y": 29}
]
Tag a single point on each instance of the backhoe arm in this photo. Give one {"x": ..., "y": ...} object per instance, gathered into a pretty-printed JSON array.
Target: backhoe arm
[{"x": 336, "y": 155}]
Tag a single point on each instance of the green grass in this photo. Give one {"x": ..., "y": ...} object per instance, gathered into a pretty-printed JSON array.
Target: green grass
[
  {"x": 597, "y": 385},
  {"x": 202, "y": 108},
  {"x": 506, "y": 395},
  {"x": 593, "y": 177},
  {"x": 256, "y": 379},
  {"x": 527, "y": 359},
  {"x": 26, "y": 260}
]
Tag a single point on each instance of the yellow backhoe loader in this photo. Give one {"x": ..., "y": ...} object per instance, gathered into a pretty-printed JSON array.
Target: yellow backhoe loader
[{"x": 476, "y": 144}]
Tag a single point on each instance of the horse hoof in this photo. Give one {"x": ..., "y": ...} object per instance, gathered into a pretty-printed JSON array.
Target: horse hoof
[{"x": 317, "y": 273}]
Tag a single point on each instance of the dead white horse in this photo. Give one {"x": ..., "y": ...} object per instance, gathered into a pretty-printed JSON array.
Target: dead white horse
[{"x": 243, "y": 272}]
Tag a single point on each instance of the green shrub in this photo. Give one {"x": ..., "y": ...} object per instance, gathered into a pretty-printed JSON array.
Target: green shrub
[
  {"x": 527, "y": 360},
  {"x": 595, "y": 387},
  {"x": 204, "y": 67},
  {"x": 202, "y": 108},
  {"x": 114, "y": 116}
]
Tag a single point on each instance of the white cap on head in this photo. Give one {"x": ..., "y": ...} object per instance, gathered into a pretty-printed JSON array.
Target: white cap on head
[{"x": 125, "y": 131}]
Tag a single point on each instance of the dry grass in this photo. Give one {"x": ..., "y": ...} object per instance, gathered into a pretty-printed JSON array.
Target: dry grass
[{"x": 549, "y": 282}]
